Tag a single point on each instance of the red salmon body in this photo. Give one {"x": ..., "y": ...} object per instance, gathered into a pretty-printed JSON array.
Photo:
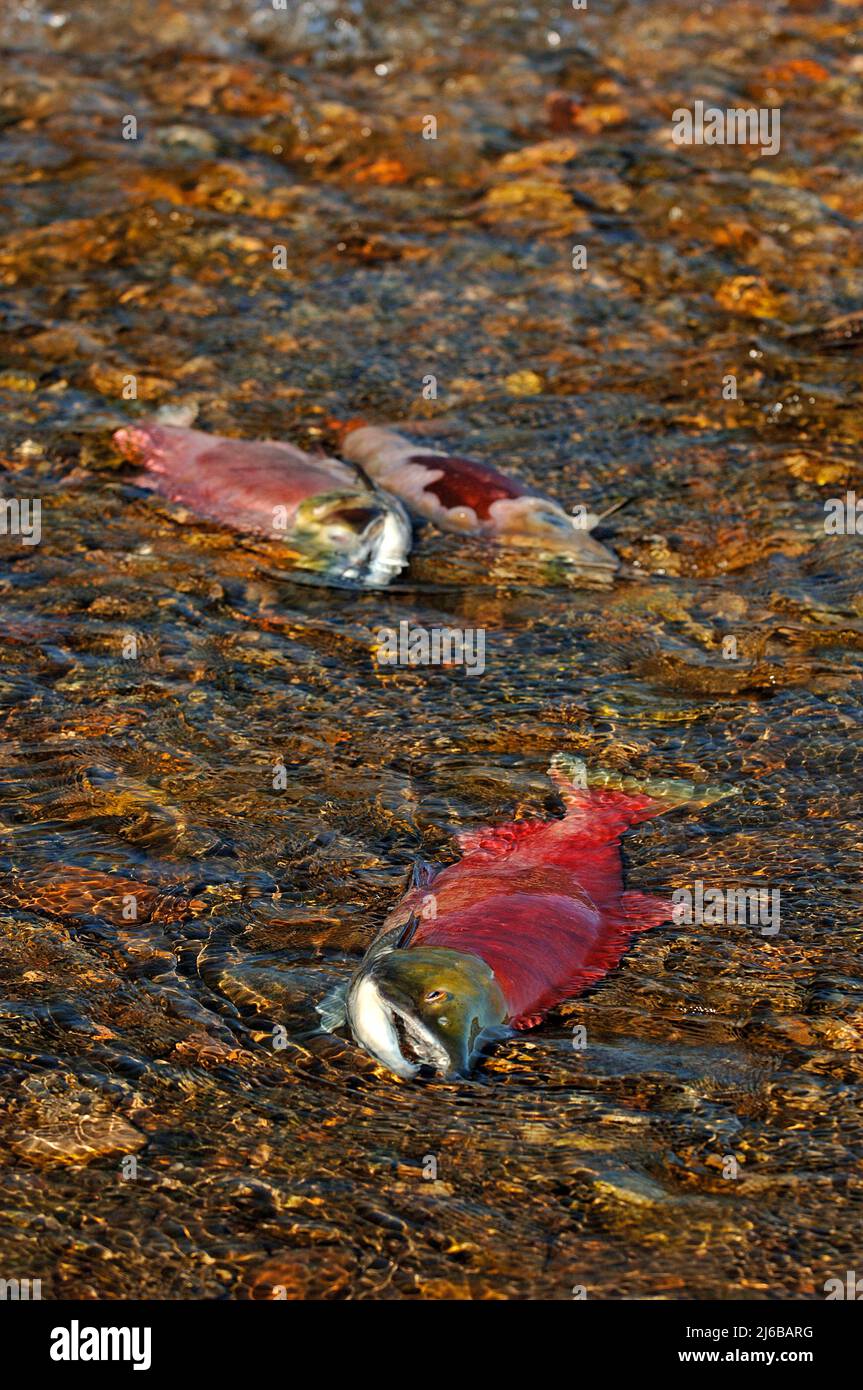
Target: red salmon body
[
  {"x": 242, "y": 483},
  {"x": 543, "y": 902},
  {"x": 532, "y": 913}
]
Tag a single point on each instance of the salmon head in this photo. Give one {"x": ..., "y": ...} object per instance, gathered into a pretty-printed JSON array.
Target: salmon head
[
  {"x": 541, "y": 524},
  {"x": 423, "y": 1011},
  {"x": 360, "y": 537}
]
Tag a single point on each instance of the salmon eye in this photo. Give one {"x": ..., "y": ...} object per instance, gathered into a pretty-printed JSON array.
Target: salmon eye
[{"x": 436, "y": 996}]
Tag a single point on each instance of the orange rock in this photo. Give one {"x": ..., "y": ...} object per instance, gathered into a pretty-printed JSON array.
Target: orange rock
[
  {"x": 384, "y": 171},
  {"x": 112, "y": 381},
  {"x": 546, "y": 152},
  {"x": 794, "y": 69},
  {"x": 747, "y": 294},
  {"x": 597, "y": 116}
]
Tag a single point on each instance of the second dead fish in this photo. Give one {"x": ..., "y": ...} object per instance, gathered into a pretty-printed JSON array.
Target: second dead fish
[{"x": 473, "y": 498}]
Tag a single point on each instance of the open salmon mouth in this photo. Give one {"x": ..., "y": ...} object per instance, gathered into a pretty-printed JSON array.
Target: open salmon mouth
[
  {"x": 357, "y": 517},
  {"x": 407, "y": 1045},
  {"x": 418, "y": 1047},
  {"x": 360, "y": 539},
  {"x": 382, "y": 547}
]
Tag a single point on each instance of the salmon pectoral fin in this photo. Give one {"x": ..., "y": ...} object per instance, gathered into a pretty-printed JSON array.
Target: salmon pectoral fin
[
  {"x": 527, "y": 1021},
  {"x": 422, "y": 873},
  {"x": 333, "y": 1009},
  {"x": 574, "y": 984}
]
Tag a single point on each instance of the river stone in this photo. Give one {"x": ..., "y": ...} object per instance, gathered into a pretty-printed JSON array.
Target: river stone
[{"x": 80, "y": 1140}]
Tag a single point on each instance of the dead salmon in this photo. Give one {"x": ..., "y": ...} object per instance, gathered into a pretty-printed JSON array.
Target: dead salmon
[
  {"x": 533, "y": 913},
  {"x": 473, "y": 498},
  {"x": 339, "y": 525}
]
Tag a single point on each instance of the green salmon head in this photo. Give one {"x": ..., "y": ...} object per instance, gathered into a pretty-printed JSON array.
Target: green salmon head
[
  {"x": 363, "y": 537},
  {"x": 428, "y": 1007},
  {"x": 543, "y": 525}
]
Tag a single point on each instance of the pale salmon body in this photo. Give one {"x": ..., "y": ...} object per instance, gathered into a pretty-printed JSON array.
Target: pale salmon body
[
  {"x": 337, "y": 523},
  {"x": 472, "y": 498}
]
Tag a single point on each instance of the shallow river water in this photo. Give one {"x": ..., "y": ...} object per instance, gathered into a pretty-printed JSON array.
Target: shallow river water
[{"x": 173, "y": 1123}]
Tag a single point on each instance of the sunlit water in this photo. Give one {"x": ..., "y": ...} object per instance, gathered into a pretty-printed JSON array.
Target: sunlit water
[{"x": 156, "y": 673}]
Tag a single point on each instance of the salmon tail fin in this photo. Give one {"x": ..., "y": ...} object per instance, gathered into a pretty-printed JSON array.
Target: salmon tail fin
[
  {"x": 612, "y": 796},
  {"x": 643, "y": 910},
  {"x": 569, "y": 775}
]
